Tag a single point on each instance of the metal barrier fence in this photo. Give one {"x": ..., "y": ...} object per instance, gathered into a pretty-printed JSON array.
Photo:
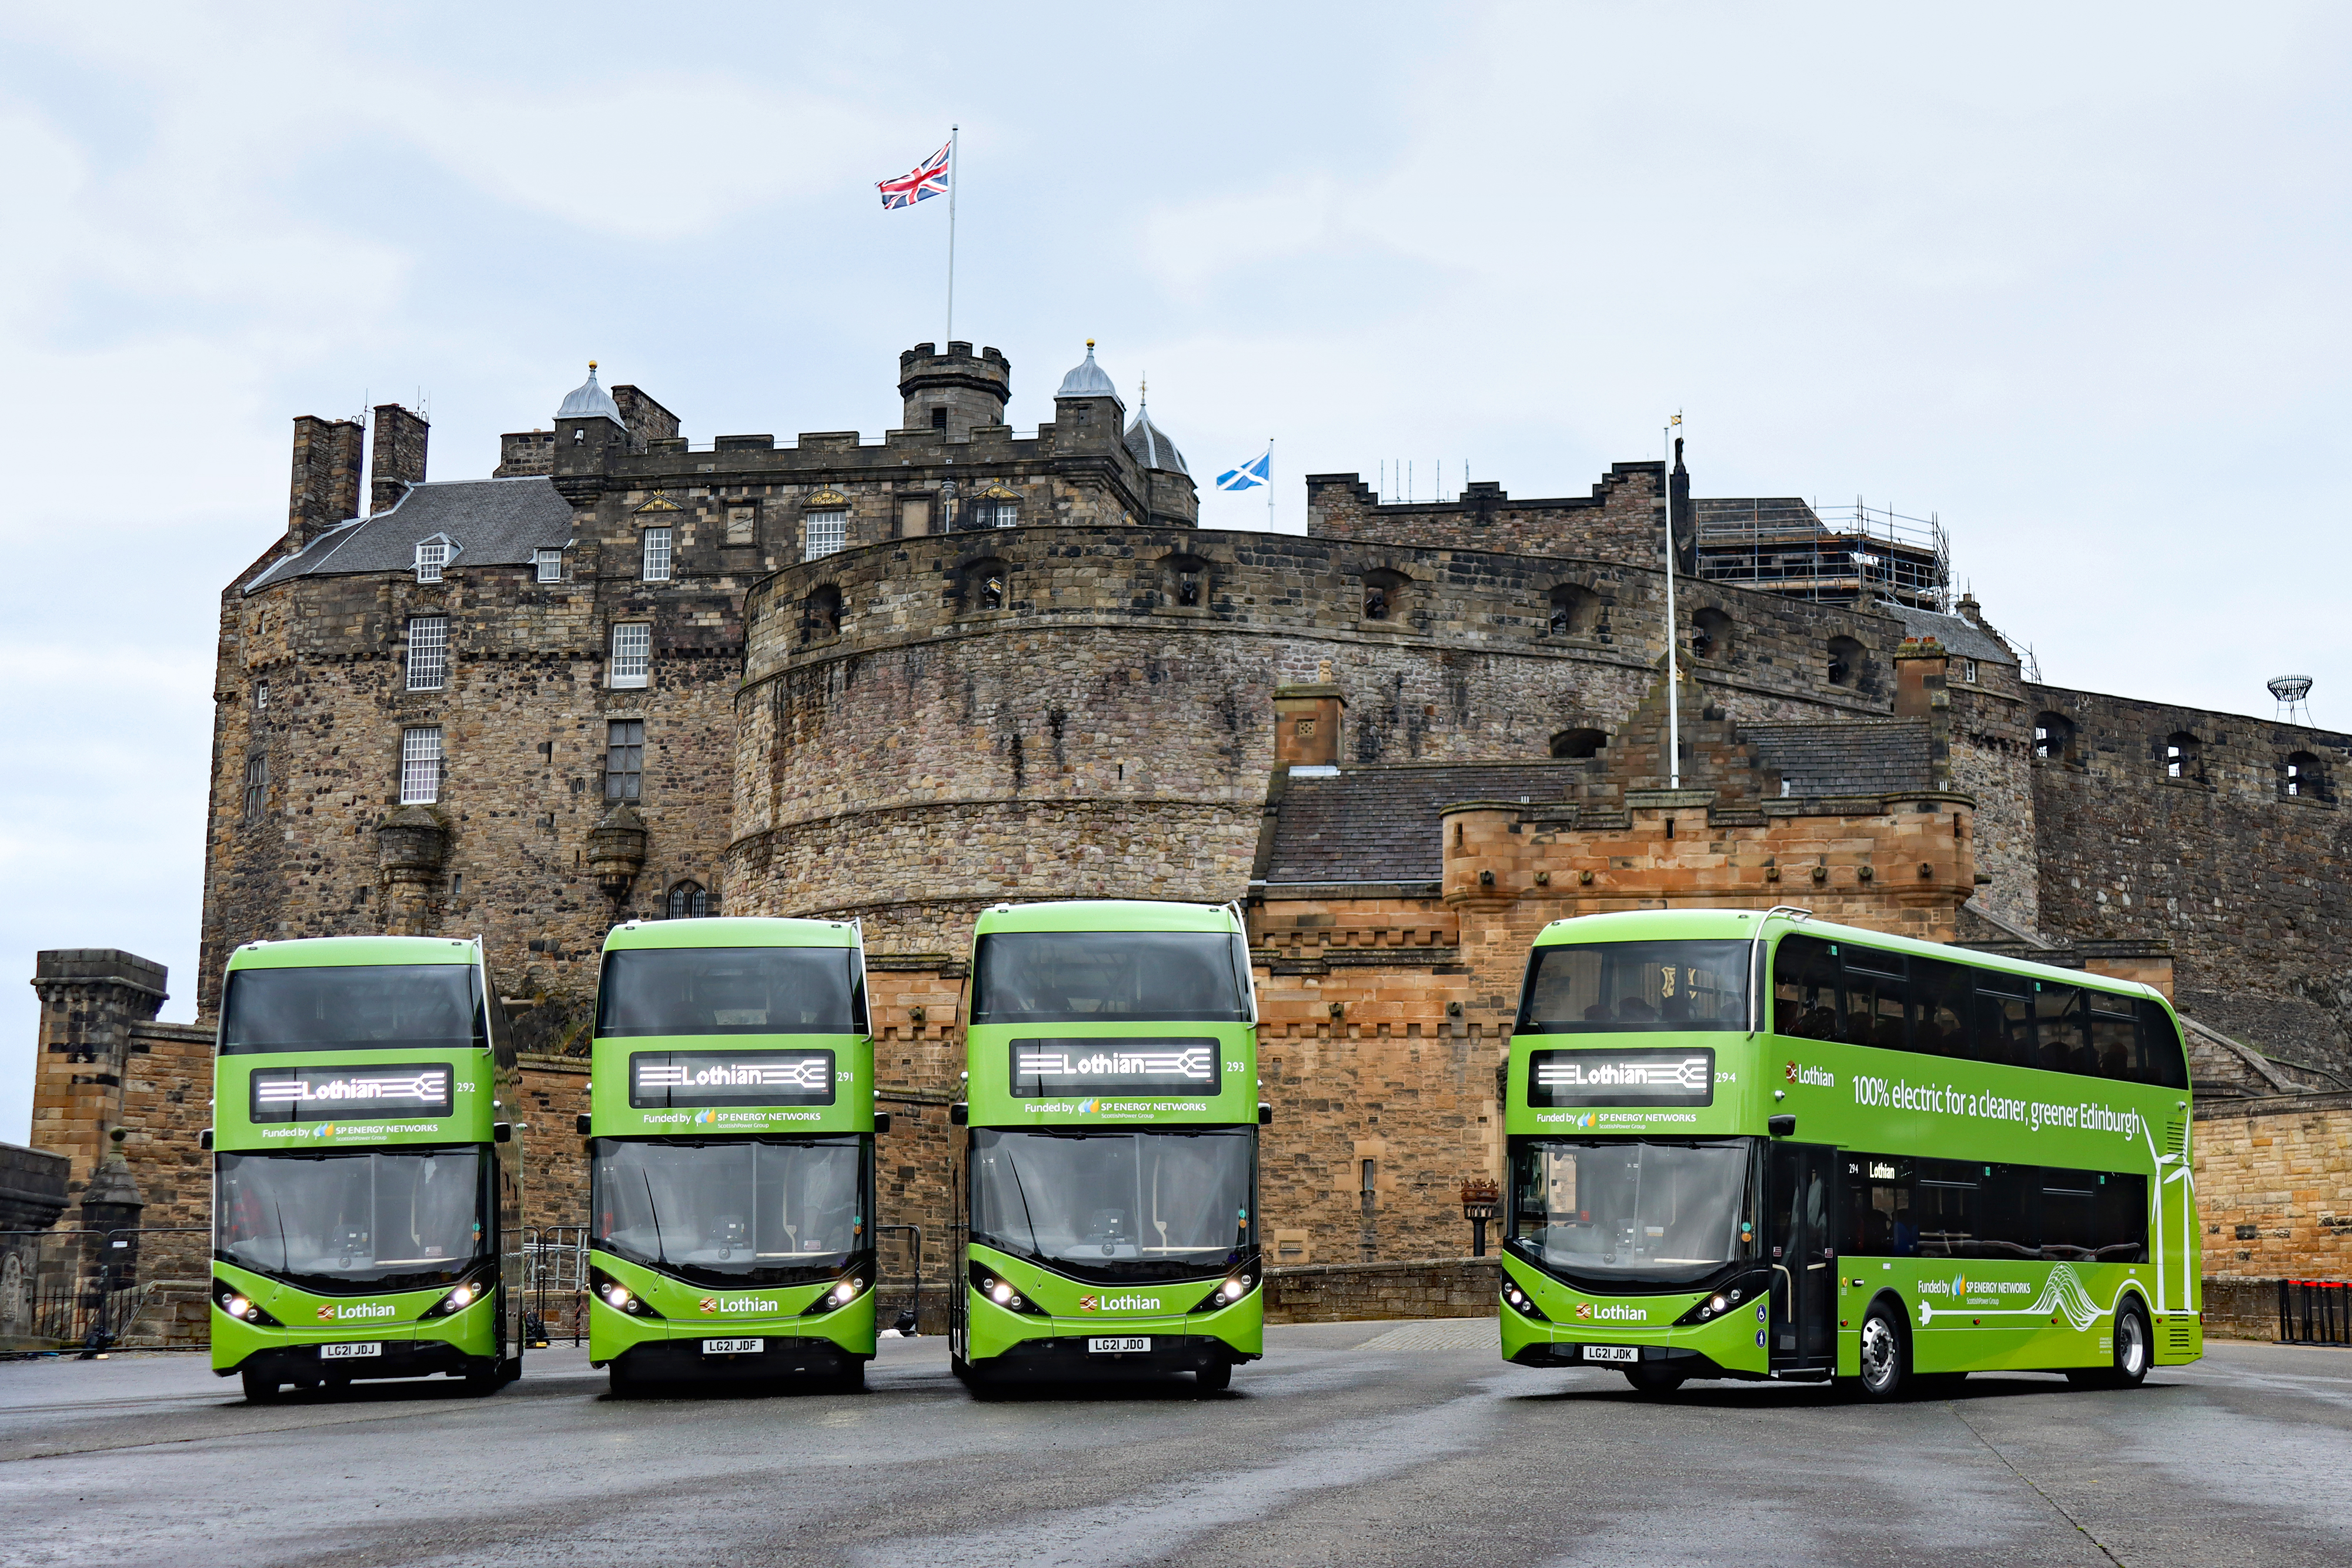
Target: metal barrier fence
[
  {"x": 2315, "y": 1312},
  {"x": 555, "y": 1273},
  {"x": 141, "y": 1286}
]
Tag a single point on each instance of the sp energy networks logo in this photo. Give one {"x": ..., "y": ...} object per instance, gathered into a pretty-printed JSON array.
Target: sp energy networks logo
[
  {"x": 1812, "y": 1077},
  {"x": 1128, "y": 1304},
  {"x": 1611, "y": 1313},
  {"x": 741, "y": 1304},
  {"x": 355, "y": 1311}
]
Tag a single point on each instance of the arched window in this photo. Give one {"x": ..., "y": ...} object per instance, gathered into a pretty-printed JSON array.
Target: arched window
[
  {"x": 1578, "y": 743},
  {"x": 2181, "y": 757},
  {"x": 1710, "y": 634},
  {"x": 1574, "y": 609},
  {"x": 2305, "y": 781},
  {"x": 2053, "y": 738},
  {"x": 687, "y": 901},
  {"x": 1845, "y": 662}
]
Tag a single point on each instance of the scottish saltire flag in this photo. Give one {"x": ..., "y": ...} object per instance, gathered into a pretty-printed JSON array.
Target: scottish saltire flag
[
  {"x": 1249, "y": 475},
  {"x": 927, "y": 178}
]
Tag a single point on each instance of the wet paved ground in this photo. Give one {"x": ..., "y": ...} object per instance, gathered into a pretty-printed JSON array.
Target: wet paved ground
[{"x": 1350, "y": 1444}]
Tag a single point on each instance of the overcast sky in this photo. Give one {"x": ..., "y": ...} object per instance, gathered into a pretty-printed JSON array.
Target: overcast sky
[{"x": 2071, "y": 278}]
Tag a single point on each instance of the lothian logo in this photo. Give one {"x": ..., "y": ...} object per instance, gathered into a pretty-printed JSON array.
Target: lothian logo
[
  {"x": 709, "y": 1303},
  {"x": 1089, "y": 1303},
  {"x": 1584, "y": 1309}
]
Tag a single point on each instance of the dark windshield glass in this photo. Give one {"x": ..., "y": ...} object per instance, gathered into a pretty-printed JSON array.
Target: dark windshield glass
[
  {"x": 730, "y": 990},
  {"x": 1083, "y": 976},
  {"x": 344, "y": 1223},
  {"x": 1636, "y": 988},
  {"x": 740, "y": 1211},
  {"x": 1629, "y": 1208},
  {"x": 1114, "y": 1206},
  {"x": 360, "y": 1007}
]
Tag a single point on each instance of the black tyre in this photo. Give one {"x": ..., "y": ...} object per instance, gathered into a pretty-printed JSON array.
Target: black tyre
[
  {"x": 2135, "y": 1352},
  {"x": 1885, "y": 1353},
  {"x": 258, "y": 1389},
  {"x": 1214, "y": 1378},
  {"x": 852, "y": 1381},
  {"x": 624, "y": 1383},
  {"x": 1652, "y": 1377}
]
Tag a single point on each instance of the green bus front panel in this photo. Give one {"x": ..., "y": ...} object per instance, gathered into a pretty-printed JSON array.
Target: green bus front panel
[
  {"x": 1059, "y": 1308},
  {"x": 412, "y": 1335},
  {"x": 1556, "y": 1322},
  {"x": 684, "y": 1316}
]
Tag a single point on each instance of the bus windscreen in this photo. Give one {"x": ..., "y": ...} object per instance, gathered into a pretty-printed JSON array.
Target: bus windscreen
[
  {"x": 730, "y": 991},
  {"x": 383, "y": 1221},
  {"x": 1104, "y": 977},
  {"x": 1634, "y": 988},
  {"x": 1665, "y": 1212},
  {"x": 358, "y": 1007},
  {"x": 1115, "y": 1207},
  {"x": 741, "y": 1211}
]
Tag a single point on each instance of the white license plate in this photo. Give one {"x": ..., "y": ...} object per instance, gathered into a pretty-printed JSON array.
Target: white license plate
[
  {"x": 733, "y": 1346},
  {"x": 345, "y": 1351},
  {"x": 1114, "y": 1346},
  {"x": 1612, "y": 1352}
]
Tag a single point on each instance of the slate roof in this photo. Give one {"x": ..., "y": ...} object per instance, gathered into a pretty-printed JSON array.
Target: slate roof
[
  {"x": 1151, "y": 446},
  {"x": 1957, "y": 634},
  {"x": 493, "y": 522},
  {"x": 1380, "y": 824},
  {"x": 1852, "y": 756}
]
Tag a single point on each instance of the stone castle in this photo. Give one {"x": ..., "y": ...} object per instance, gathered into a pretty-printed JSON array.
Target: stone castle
[{"x": 632, "y": 675}]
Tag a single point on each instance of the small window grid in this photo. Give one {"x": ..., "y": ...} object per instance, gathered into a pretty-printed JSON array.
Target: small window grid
[
  {"x": 995, "y": 514},
  {"x": 428, "y": 653},
  {"x": 1968, "y": 671},
  {"x": 823, "y": 534},
  {"x": 633, "y": 648},
  {"x": 256, "y": 786},
  {"x": 625, "y": 759},
  {"x": 431, "y": 557},
  {"x": 657, "y": 555},
  {"x": 688, "y": 901},
  {"x": 420, "y": 765},
  {"x": 550, "y": 563}
]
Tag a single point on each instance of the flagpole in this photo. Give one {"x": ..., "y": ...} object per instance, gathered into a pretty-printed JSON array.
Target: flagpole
[
  {"x": 955, "y": 178},
  {"x": 1270, "y": 483},
  {"x": 1674, "y": 676}
]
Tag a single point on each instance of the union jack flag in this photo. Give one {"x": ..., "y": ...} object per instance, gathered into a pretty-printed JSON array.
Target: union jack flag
[{"x": 927, "y": 178}]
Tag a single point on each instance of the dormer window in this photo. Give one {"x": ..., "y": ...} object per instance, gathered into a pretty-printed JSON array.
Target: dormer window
[
  {"x": 432, "y": 555},
  {"x": 550, "y": 563}
]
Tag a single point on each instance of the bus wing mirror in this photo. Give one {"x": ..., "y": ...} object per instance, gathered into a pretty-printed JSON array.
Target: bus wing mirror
[
  {"x": 1265, "y": 1114},
  {"x": 581, "y": 1123},
  {"x": 1782, "y": 1126},
  {"x": 881, "y": 1122},
  {"x": 205, "y": 1139},
  {"x": 503, "y": 1132},
  {"x": 960, "y": 1115}
]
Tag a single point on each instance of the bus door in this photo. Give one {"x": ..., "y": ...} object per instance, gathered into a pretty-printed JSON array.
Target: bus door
[{"x": 1801, "y": 1239}]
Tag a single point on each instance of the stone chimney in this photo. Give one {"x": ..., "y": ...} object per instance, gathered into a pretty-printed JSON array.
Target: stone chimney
[
  {"x": 325, "y": 489},
  {"x": 1920, "y": 669},
  {"x": 1306, "y": 722},
  {"x": 89, "y": 998},
  {"x": 399, "y": 458}
]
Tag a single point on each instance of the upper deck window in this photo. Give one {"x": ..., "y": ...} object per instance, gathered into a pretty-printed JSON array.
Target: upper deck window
[
  {"x": 730, "y": 991},
  {"x": 1110, "y": 977},
  {"x": 354, "y": 1006},
  {"x": 1636, "y": 988}
]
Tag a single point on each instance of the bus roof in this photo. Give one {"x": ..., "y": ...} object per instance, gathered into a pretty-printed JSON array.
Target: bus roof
[
  {"x": 731, "y": 931},
  {"x": 1739, "y": 925},
  {"x": 1104, "y": 914},
  {"x": 326, "y": 952}
]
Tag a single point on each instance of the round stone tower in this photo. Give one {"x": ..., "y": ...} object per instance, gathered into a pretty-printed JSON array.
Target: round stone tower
[{"x": 956, "y": 391}]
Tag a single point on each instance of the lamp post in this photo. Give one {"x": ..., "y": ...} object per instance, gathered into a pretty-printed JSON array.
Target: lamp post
[{"x": 1480, "y": 1196}]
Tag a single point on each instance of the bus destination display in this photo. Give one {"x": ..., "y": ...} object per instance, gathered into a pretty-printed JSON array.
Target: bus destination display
[
  {"x": 350, "y": 1094},
  {"x": 673, "y": 1080},
  {"x": 1620, "y": 1077},
  {"x": 1180, "y": 1066}
]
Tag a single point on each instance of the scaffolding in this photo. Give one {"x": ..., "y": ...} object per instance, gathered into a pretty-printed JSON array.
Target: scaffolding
[{"x": 1833, "y": 555}]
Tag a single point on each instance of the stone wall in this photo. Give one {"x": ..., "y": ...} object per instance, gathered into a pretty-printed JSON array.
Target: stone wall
[
  {"x": 2274, "y": 1185},
  {"x": 1440, "y": 1287},
  {"x": 1621, "y": 520}
]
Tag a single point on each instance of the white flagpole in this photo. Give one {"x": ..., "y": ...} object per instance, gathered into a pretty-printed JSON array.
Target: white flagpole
[
  {"x": 955, "y": 178},
  {"x": 1674, "y": 676}
]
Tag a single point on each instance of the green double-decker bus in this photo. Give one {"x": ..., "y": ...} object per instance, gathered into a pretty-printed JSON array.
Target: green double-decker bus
[
  {"x": 1760, "y": 1146},
  {"x": 366, "y": 1178},
  {"x": 1110, "y": 1176},
  {"x": 730, "y": 1143}
]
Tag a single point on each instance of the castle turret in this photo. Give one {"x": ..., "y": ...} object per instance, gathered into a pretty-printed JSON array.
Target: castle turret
[
  {"x": 1169, "y": 494},
  {"x": 589, "y": 433},
  {"x": 954, "y": 391},
  {"x": 1088, "y": 415}
]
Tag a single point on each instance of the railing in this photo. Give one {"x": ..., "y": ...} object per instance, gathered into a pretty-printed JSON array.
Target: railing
[
  {"x": 909, "y": 1315},
  {"x": 555, "y": 1280},
  {"x": 98, "y": 1288},
  {"x": 2315, "y": 1312}
]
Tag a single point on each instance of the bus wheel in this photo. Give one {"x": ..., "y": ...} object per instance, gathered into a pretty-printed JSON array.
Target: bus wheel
[
  {"x": 1216, "y": 1377},
  {"x": 1886, "y": 1358},
  {"x": 1647, "y": 1378},
  {"x": 259, "y": 1390},
  {"x": 852, "y": 1381},
  {"x": 2133, "y": 1342}
]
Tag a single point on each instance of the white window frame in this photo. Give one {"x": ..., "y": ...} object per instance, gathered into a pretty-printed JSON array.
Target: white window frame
[
  {"x": 631, "y": 660},
  {"x": 432, "y": 559},
  {"x": 1000, "y": 512},
  {"x": 550, "y": 563},
  {"x": 1968, "y": 671},
  {"x": 428, "y": 653},
  {"x": 422, "y": 765},
  {"x": 825, "y": 533},
  {"x": 654, "y": 549}
]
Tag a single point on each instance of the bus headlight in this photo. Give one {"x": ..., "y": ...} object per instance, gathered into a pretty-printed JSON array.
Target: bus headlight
[
  {"x": 1520, "y": 1302},
  {"x": 241, "y": 1307},
  {"x": 1003, "y": 1293},
  {"x": 1708, "y": 1308},
  {"x": 844, "y": 1291},
  {"x": 617, "y": 1296},
  {"x": 1232, "y": 1288},
  {"x": 466, "y": 1293}
]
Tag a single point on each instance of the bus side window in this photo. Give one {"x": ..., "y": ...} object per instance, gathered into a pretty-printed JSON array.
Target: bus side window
[
  {"x": 1940, "y": 993},
  {"x": 1944, "y": 1200},
  {"x": 2112, "y": 1035},
  {"x": 2059, "y": 1036},
  {"x": 2004, "y": 1033},
  {"x": 1875, "y": 997},
  {"x": 2121, "y": 1227},
  {"x": 1804, "y": 988},
  {"x": 1878, "y": 1207},
  {"x": 2009, "y": 1215},
  {"x": 2161, "y": 1061}
]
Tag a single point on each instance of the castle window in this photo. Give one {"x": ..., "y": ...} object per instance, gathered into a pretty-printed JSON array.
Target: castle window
[
  {"x": 632, "y": 653},
  {"x": 256, "y": 786},
  {"x": 824, "y": 533},
  {"x": 1710, "y": 634},
  {"x": 261, "y": 697},
  {"x": 823, "y": 618},
  {"x": 431, "y": 557},
  {"x": 939, "y": 418},
  {"x": 914, "y": 516},
  {"x": 1384, "y": 593},
  {"x": 1845, "y": 662},
  {"x": 2181, "y": 757},
  {"x": 688, "y": 901},
  {"x": 742, "y": 524},
  {"x": 1571, "y": 744},
  {"x": 1574, "y": 609},
  {"x": 420, "y": 765},
  {"x": 1968, "y": 671},
  {"x": 550, "y": 563},
  {"x": 2053, "y": 736},
  {"x": 657, "y": 555},
  {"x": 625, "y": 759},
  {"x": 995, "y": 512},
  {"x": 428, "y": 653},
  {"x": 2304, "y": 779}
]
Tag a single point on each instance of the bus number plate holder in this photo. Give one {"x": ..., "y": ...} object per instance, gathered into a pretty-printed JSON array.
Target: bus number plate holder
[
  {"x": 733, "y": 1346},
  {"x": 345, "y": 1352},
  {"x": 1116, "y": 1346},
  {"x": 1612, "y": 1353}
]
